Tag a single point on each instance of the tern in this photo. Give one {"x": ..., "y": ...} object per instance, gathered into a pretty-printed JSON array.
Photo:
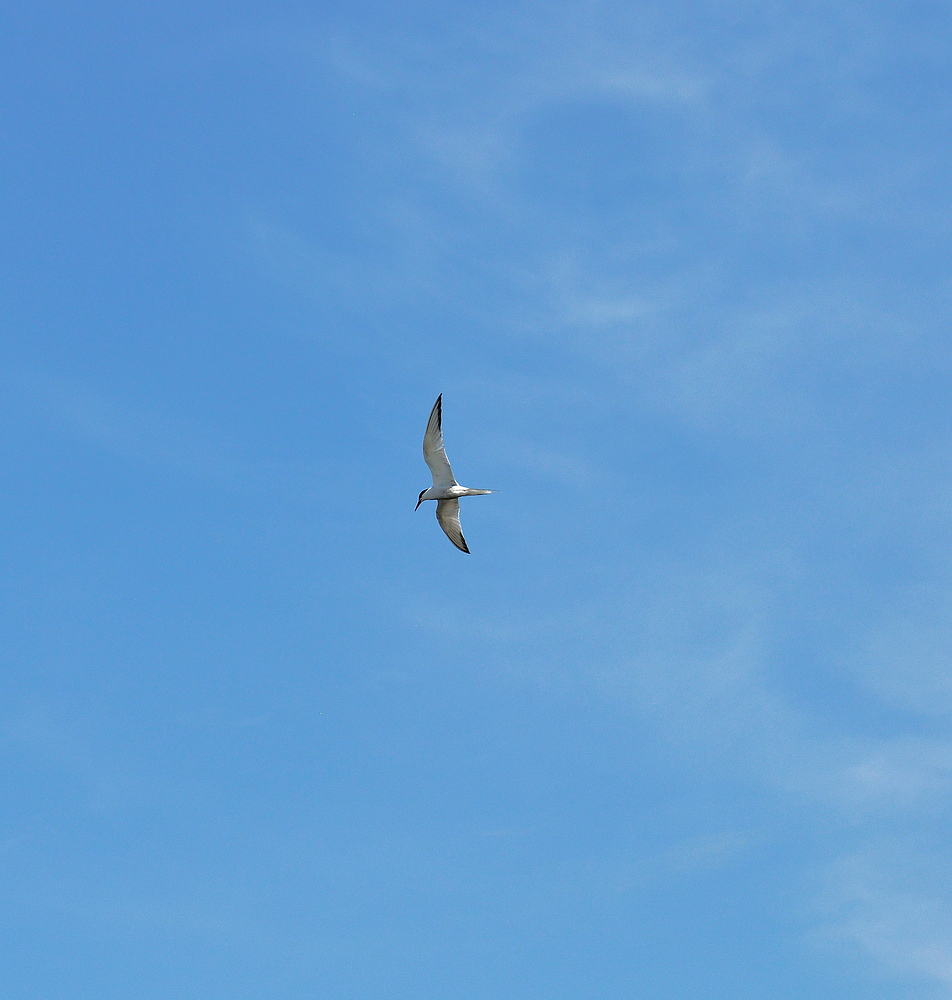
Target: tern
[{"x": 445, "y": 490}]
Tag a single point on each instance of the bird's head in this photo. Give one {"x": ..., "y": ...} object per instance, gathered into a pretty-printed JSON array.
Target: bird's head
[{"x": 420, "y": 500}]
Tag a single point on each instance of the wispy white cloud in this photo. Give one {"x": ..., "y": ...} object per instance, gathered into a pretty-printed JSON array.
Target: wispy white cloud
[
  {"x": 906, "y": 657},
  {"x": 891, "y": 903},
  {"x": 896, "y": 774},
  {"x": 681, "y": 323},
  {"x": 690, "y": 653}
]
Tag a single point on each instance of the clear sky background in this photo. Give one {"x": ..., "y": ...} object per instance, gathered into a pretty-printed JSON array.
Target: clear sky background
[{"x": 679, "y": 728}]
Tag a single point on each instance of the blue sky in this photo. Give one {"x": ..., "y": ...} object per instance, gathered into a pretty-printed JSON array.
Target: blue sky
[{"x": 679, "y": 726}]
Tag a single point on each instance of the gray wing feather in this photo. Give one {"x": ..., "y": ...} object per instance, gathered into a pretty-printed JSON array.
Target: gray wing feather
[
  {"x": 434, "y": 454},
  {"x": 447, "y": 513}
]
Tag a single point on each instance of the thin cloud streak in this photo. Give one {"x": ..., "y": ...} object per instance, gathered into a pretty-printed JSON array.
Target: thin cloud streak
[{"x": 676, "y": 320}]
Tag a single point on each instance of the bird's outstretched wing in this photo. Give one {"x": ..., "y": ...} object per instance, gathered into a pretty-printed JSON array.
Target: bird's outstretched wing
[
  {"x": 447, "y": 513},
  {"x": 434, "y": 453}
]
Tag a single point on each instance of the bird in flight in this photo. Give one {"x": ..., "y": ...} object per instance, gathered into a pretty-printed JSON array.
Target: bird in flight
[{"x": 445, "y": 490}]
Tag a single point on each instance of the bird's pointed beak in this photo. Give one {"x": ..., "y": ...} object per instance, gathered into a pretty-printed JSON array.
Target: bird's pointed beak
[{"x": 418, "y": 504}]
